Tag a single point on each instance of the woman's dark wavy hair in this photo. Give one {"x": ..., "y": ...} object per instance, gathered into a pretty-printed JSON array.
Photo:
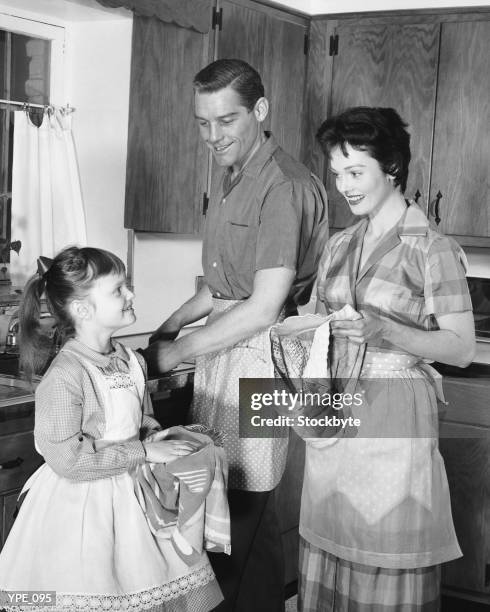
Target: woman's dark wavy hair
[
  {"x": 70, "y": 276},
  {"x": 379, "y": 131},
  {"x": 235, "y": 73}
]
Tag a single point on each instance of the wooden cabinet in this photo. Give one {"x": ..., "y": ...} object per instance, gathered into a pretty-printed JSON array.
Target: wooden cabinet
[
  {"x": 461, "y": 157},
  {"x": 465, "y": 447},
  {"x": 168, "y": 167},
  {"x": 388, "y": 65},
  {"x": 8, "y": 506},
  {"x": 16, "y": 443},
  {"x": 288, "y": 503},
  {"x": 166, "y": 170},
  {"x": 273, "y": 42},
  {"x": 433, "y": 69}
]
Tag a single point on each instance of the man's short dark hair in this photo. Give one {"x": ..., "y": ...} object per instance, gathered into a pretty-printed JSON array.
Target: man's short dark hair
[
  {"x": 379, "y": 131},
  {"x": 234, "y": 73}
]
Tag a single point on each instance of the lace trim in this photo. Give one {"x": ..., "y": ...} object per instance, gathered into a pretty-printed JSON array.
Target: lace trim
[
  {"x": 119, "y": 380},
  {"x": 129, "y": 602}
]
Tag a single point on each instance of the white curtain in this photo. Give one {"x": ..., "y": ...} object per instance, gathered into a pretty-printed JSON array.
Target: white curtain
[{"x": 47, "y": 207}]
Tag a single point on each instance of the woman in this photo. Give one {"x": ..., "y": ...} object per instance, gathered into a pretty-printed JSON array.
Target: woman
[{"x": 376, "y": 519}]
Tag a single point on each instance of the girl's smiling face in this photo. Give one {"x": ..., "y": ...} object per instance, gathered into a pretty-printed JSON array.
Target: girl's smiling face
[
  {"x": 112, "y": 302},
  {"x": 359, "y": 178}
]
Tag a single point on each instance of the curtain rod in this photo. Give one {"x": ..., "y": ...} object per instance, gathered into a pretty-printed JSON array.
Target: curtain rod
[{"x": 64, "y": 109}]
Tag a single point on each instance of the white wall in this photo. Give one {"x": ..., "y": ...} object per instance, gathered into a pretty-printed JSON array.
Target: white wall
[
  {"x": 165, "y": 270},
  {"x": 98, "y": 57}
]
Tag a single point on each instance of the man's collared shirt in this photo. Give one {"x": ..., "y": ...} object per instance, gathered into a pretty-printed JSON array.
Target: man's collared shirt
[{"x": 273, "y": 214}]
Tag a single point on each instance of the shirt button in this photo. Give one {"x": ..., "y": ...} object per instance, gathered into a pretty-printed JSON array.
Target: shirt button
[
  {"x": 218, "y": 294},
  {"x": 223, "y": 201},
  {"x": 214, "y": 264}
]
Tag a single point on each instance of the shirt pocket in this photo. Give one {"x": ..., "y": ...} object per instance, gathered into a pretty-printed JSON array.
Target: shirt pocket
[
  {"x": 408, "y": 307},
  {"x": 239, "y": 242}
]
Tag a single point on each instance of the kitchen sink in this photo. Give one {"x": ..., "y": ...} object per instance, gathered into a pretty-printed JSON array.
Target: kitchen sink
[
  {"x": 15, "y": 390},
  {"x": 9, "y": 363}
]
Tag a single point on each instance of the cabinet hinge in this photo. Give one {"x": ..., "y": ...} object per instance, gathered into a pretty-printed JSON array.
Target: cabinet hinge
[
  {"x": 334, "y": 45},
  {"x": 205, "y": 203},
  {"x": 306, "y": 46},
  {"x": 217, "y": 19}
]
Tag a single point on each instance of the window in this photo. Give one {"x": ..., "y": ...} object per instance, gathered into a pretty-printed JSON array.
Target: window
[{"x": 31, "y": 56}]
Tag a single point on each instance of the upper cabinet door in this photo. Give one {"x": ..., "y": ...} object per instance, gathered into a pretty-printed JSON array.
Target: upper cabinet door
[
  {"x": 273, "y": 42},
  {"x": 167, "y": 162},
  {"x": 388, "y": 65},
  {"x": 242, "y": 34},
  {"x": 461, "y": 160}
]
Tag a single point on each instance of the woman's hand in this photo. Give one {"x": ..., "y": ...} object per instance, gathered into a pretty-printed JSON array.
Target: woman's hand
[
  {"x": 166, "y": 451},
  {"x": 359, "y": 331}
]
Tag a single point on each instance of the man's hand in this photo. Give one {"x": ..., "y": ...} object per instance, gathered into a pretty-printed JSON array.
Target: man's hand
[
  {"x": 163, "y": 333},
  {"x": 161, "y": 356},
  {"x": 199, "y": 306}
]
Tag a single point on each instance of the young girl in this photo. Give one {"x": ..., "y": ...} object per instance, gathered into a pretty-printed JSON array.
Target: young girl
[{"x": 81, "y": 531}]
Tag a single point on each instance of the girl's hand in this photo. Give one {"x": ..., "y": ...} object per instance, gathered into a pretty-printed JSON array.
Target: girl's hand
[
  {"x": 166, "y": 451},
  {"x": 362, "y": 330},
  {"x": 156, "y": 436}
]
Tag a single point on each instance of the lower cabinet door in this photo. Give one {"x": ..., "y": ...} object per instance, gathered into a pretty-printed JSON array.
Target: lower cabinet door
[
  {"x": 466, "y": 453},
  {"x": 288, "y": 502},
  {"x": 8, "y": 504}
]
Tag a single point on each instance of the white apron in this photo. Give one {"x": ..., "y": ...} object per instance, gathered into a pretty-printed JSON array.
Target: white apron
[{"x": 90, "y": 541}]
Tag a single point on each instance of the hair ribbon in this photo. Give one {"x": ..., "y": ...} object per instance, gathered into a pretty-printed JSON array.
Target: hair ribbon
[{"x": 43, "y": 265}]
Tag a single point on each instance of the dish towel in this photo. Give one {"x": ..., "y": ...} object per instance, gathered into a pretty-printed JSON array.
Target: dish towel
[
  {"x": 186, "y": 501},
  {"x": 302, "y": 358}
]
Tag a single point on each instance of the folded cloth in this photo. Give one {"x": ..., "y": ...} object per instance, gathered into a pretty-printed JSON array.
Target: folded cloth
[
  {"x": 312, "y": 367},
  {"x": 186, "y": 500}
]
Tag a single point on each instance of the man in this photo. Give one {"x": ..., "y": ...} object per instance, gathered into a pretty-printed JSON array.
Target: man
[{"x": 265, "y": 229}]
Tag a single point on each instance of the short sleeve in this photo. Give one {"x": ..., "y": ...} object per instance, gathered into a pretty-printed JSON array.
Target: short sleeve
[
  {"x": 445, "y": 288},
  {"x": 278, "y": 238}
]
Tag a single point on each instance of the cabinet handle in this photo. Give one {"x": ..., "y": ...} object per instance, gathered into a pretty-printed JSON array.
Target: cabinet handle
[
  {"x": 13, "y": 463},
  {"x": 205, "y": 203},
  {"x": 435, "y": 207},
  {"x": 417, "y": 196}
]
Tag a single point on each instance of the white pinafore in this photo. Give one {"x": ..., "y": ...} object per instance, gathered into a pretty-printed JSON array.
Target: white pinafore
[{"x": 89, "y": 541}]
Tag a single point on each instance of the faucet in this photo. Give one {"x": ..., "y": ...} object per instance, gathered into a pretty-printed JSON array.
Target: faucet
[
  {"x": 11, "y": 341},
  {"x": 12, "y": 332}
]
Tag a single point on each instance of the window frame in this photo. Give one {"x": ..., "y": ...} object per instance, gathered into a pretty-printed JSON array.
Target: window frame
[{"x": 55, "y": 34}]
